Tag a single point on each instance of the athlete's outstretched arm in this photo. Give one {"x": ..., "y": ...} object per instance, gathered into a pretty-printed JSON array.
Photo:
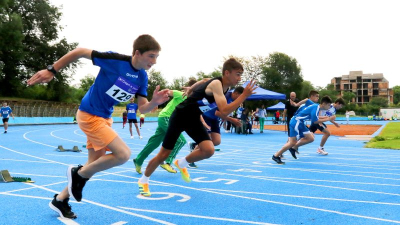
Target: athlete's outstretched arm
[
  {"x": 45, "y": 76},
  {"x": 159, "y": 97},
  {"x": 223, "y": 107}
]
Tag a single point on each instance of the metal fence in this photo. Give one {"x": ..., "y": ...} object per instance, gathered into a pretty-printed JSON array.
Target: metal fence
[{"x": 42, "y": 109}]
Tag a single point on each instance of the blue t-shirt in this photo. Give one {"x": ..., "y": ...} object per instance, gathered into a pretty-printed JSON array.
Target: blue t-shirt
[
  {"x": 116, "y": 82},
  {"x": 212, "y": 108},
  {"x": 132, "y": 108},
  {"x": 5, "y": 111},
  {"x": 303, "y": 106},
  {"x": 309, "y": 113}
]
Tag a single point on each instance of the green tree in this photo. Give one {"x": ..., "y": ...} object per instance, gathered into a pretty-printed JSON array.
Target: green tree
[
  {"x": 28, "y": 42},
  {"x": 396, "y": 94},
  {"x": 329, "y": 90},
  {"x": 306, "y": 87},
  {"x": 178, "y": 83},
  {"x": 87, "y": 82},
  {"x": 379, "y": 102},
  {"x": 282, "y": 74},
  {"x": 155, "y": 78},
  {"x": 348, "y": 96},
  {"x": 201, "y": 75}
]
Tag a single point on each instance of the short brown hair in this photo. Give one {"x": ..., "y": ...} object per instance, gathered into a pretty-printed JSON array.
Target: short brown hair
[
  {"x": 312, "y": 92},
  {"x": 326, "y": 99},
  {"x": 191, "y": 82},
  {"x": 145, "y": 43},
  {"x": 340, "y": 101},
  {"x": 231, "y": 64}
]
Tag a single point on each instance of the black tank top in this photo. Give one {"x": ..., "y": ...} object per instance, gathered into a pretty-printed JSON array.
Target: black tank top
[{"x": 199, "y": 95}]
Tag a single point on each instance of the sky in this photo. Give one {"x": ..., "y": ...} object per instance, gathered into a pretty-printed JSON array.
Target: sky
[{"x": 327, "y": 38}]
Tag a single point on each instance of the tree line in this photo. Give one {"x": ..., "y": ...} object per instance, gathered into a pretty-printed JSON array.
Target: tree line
[{"x": 29, "y": 41}]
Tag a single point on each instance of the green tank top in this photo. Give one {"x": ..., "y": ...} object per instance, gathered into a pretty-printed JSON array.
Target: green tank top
[{"x": 176, "y": 100}]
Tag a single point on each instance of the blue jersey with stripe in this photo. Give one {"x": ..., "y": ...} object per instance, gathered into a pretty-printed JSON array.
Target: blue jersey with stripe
[
  {"x": 309, "y": 113},
  {"x": 117, "y": 81},
  {"x": 303, "y": 106}
]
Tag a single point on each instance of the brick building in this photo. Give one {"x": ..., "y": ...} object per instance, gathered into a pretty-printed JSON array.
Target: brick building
[{"x": 364, "y": 86}]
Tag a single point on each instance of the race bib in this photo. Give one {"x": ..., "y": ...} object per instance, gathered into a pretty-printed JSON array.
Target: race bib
[{"x": 122, "y": 90}]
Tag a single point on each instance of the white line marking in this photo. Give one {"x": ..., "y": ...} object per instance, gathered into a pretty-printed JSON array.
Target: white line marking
[
  {"x": 307, "y": 197},
  {"x": 109, "y": 207},
  {"x": 195, "y": 216},
  {"x": 67, "y": 221}
]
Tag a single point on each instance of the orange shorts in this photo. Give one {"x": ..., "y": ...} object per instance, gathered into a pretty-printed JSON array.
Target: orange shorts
[{"x": 97, "y": 129}]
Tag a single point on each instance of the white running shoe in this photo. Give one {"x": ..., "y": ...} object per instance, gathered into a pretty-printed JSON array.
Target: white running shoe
[
  {"x": 140, "y": 137},
  {"x": 321, "y": 151},
  {"x": 131, "y": 137}
]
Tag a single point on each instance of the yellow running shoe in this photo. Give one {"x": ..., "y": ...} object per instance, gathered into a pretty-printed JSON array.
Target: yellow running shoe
[
  {"x": 144, "y": 189},
  {"x": 184, "y": 173},
  {"x": 168, "y": 168},
  {"x": 138, "y": 168}
]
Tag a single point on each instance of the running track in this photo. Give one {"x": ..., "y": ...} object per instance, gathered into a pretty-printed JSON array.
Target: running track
[{"x": 238, "y": 185}]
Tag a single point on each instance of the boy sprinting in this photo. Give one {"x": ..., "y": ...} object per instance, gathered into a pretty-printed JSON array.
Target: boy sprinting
[
  {"x": 299, "y": 131},
  {"x": 313, "y": 97},
  {"x": 338, "y": 104},
  {"x": 132, "y": 108},
  {"x": 120, "y": 78},
  {"x": 212, "y": 116},
  {"x": 158, "y": 137},
  {"x": 6, "y": 112},
  {"x": 186, "y": 117}
]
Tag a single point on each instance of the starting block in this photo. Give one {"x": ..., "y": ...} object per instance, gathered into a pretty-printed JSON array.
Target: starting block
[
  {"x": 60, "y": 148},
  {"x": 6, "y": 177}
]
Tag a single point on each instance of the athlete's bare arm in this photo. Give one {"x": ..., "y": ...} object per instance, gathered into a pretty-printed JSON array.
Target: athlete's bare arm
[
  {"x": 45, "y": 76},
  {"x": 159, "y": 97},
  {"x": 215, "y": 88}
]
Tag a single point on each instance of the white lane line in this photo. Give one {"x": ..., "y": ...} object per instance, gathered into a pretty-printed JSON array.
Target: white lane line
[
  {"x": 36, "y": 157},
  {"x": 306, "y": 197},
  {"x": 195, "y": 216},
  {"x": 67, "y": 221},
  {"x": 280, "y": 203},
  {"x": 275, "y": 166},
  {"x": 299, "y": 183},
  {"x": 120, "y": 223},
  {"x": 25, "y": 196},
  {"x": 52, "y": 134},
  {"x": 107, "y": 206},
  {"x": 76, "y": 132},
  {"x": 311, "y": 208},
  {"x": 312, "y": 180},
  {"x": 40, "y": 143},
  {"x": 20, "y": 160},
  {"x": 74, "y": 156}
]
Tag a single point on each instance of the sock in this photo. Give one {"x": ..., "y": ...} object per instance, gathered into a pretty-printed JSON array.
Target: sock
[
  {"x": 58, "y": 200},
  {"x": 144, "y": 179},
  {"x": 320, "y": 147},
  {"x": 182, "y": 163}
]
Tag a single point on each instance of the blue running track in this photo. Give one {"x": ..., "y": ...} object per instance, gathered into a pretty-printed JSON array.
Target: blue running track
[{"x": 239, "y": 185}]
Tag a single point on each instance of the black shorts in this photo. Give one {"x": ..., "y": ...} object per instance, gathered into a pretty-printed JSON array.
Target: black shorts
[
  {"x": 214, "y": 124},
  {"x": 313, "y": 127},
  {"x": 185, "y": 119},
  {"x": 132, "y": 120},
  {"x": 5, "y": 120},
  {"x": 257, "y": 118}
]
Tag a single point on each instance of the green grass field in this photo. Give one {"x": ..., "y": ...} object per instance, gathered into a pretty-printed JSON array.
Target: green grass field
[{"x": 389, "y": 138}]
